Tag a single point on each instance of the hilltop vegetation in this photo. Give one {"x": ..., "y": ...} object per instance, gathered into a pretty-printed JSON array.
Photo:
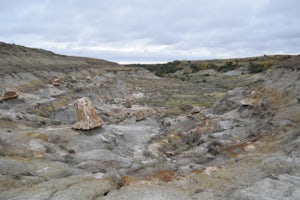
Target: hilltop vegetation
[{"x": 253, "y": 65}]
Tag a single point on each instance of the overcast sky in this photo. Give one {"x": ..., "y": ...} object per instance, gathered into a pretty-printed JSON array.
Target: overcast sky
[{"x": 132, "y": 31}]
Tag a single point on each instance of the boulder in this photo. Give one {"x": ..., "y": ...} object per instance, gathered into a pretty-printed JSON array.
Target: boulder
[
  {"x": 10, "y": 93},
  {"x": 87, "y": 117}
]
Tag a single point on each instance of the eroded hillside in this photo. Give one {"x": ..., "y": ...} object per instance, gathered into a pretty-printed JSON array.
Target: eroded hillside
[{"x": 211, "y": 135}]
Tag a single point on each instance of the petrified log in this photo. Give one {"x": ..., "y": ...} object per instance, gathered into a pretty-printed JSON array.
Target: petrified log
[
  {"x": 10, "y": 93},
  {"x": 87, "y": 117}
]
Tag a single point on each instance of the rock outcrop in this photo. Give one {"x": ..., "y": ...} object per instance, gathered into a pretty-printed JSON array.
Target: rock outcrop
[{"x": 87, "y": 117}]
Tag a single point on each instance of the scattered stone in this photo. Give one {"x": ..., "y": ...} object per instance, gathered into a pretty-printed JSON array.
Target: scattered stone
[
  {"x": 249, "y": 148},
  {"x": 57, "y": 82},
  {"x": 196, "y": 109},
  {"x": 88, "y": 78},
  {"x": 128, "y": 103},
  {"x": 71, "y": 151},
  {"x": 10, "y": 93},
  {"x": 87, "y": 117},
  {"x": 138, "y": 95},
  {"x": 154, "y": 149},
  {"x": 140, "y": 115},
  {"x": 166, "y": 123},
  {"x": 170, "y": 153},
  {"x": 209, "y": 170}
]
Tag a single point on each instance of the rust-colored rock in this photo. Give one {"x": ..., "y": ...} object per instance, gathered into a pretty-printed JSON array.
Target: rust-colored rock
[
  {"x": 87, "y": 117},
  {"x": 128, "y": 180},
  {"x": 164, "y": 175},
  {"x": 10, "y": 93}
]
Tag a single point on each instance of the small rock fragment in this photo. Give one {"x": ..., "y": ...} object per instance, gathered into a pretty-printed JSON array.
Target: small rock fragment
[
  {"x": 140, "y": 115},
  {"x": 87, "y": 117},
  {"x": 128, "y": 103},
  {"x": 138, "y": 95},
  {"x": 10, "y": 93},
  {"x": 196, "y": 109},
  {"x": 249, "y": 148},
  {"x": 209, "y": 170},
  {"x": 56, "y": 82},
  {"x": 88, "y": 78}
]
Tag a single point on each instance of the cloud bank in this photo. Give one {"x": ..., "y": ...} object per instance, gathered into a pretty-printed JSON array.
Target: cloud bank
[{"x": 132, "y": 31}]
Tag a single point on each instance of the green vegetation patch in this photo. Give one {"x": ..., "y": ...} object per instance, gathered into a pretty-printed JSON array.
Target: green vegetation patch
[
  {"x": 254, "y": 65},
  {"x": 161, "y": 69}
]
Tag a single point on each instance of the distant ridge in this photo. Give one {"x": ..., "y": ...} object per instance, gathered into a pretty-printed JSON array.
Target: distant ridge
[{"x": 14, "y": 56}]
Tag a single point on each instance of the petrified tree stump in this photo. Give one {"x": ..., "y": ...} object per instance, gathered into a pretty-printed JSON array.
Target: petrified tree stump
[{"x": 87, "y": 117}]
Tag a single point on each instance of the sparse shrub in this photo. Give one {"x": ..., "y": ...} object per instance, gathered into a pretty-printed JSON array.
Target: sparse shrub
[
  {"x": 195, "y": 67},
  {"x": 267, "y": 63},
  {"x": 229, "y": 65},
  {"x": 260, "y": 67},
  {"x": 256, "y": 68},
  {"x": 205, "y": 66},
  {"x": 162, "y": 69}
]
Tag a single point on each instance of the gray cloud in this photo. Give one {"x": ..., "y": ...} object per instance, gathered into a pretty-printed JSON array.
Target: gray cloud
[{"x": 153, "y": 30}]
